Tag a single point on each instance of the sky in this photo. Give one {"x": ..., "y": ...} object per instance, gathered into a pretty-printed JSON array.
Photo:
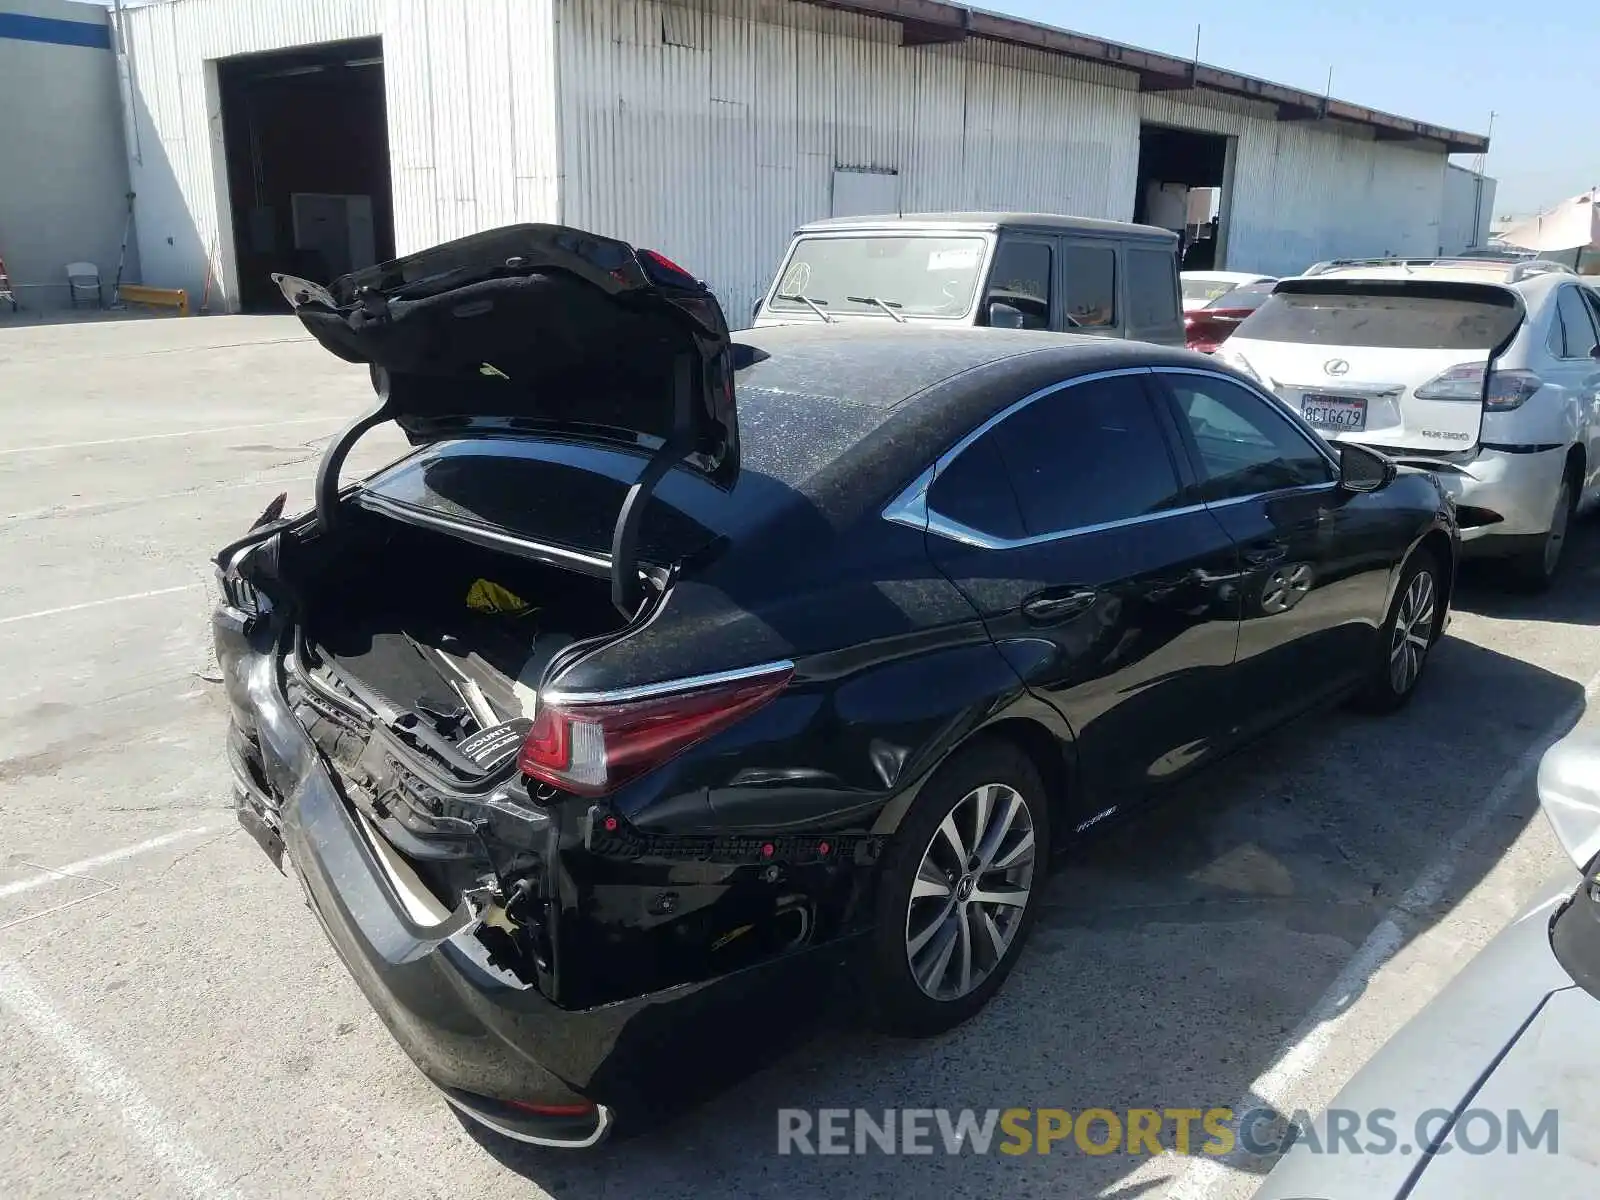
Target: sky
[{"x": 1449, "y": 62}]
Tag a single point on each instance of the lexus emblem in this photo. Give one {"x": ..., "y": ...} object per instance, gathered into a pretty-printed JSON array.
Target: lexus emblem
[{"x": 1336, "y": 366}]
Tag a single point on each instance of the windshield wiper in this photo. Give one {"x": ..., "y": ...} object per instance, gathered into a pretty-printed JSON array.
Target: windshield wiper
[
  {"x": 814, "y": 305},
  {"x": 887, "y": 306}
]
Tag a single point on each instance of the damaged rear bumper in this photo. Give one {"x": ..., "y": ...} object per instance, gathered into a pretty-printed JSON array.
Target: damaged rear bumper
[{"x": 502, "y": 1053}]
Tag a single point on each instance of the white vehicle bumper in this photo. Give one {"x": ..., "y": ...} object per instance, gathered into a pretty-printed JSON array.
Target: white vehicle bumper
[{"x": 1502, "y": 495}]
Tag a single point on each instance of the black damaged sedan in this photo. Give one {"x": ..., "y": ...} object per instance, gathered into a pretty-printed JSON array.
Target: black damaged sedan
[{"x": 673, "y": 672}]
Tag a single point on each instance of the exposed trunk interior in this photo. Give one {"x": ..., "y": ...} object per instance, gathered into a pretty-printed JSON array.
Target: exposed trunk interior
[{"x": 397, "y": 613}]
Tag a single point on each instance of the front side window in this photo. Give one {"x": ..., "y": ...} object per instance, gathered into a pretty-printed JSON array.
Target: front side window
[
  {"x": 1087, "y": 455},
  {"x": 1021, "y": 278},
  {"x": 1244, "y": 446},
  {"x": 864, "y": 276},
  {"x": 1574, "y": 315}
]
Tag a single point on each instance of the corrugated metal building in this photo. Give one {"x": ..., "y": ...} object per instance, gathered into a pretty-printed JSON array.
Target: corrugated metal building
[
  {"x": 1468, "y": 209},
  {"x": 711, "y": 128}
]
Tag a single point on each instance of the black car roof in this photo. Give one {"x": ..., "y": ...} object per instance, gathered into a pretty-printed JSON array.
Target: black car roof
[
  {"x": 834, "y": 418},
  {"x": 882, "y": 365}
]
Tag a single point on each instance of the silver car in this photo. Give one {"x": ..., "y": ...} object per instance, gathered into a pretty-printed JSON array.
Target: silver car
[{"x": 1494, "y": 1087}]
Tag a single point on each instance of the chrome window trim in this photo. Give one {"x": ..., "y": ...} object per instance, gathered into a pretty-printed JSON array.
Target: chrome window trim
[
  {"x": 957, "y": 532},
  {"x": 910, "y": 506},
  {"x": 665, "y": 687}
]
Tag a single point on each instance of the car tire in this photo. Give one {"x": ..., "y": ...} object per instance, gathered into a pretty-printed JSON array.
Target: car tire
[
  {"x": 979, "y": 828},
  {"x": 1536, "y": 570},
  {"x": 1406, "y": 637}
]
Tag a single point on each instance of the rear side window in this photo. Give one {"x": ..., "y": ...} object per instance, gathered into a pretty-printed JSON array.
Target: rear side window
[
  {"x": 1021, "y": 278},
  {"x": 1398, "y": 318},
  {"x": 1091, "y": 283},
  {"x": 974, "y": 491},
  {"x": 1152, "y": 289},
  {"x": 1087, "y": 455},
  {"x": 1575, "y": 325}
]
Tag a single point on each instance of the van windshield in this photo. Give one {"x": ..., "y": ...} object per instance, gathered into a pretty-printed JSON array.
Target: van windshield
[{"x": 912, "y": 276}]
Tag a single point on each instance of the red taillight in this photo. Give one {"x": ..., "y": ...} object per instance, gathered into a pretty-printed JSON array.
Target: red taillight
[
  {"x": 663, "y": 271},
  {"x": 592, "y": 748},
  {"x": 553, "y": 1110}
]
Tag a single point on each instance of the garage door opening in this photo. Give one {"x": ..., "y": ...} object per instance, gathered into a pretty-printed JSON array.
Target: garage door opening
[
  {"x": 306, "y": 138},
  {"x": 1183, "y": 186}
]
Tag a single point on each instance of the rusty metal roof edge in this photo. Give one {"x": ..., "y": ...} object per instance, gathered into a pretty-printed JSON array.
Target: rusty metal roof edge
[{"x": 1156, "y": 71}]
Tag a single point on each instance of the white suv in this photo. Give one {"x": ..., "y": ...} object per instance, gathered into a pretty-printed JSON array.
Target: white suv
[{"x": 1486, "y": 373}]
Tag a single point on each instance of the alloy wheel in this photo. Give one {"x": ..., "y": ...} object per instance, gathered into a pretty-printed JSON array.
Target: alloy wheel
[
  {"x": 971, "y": 891},
  {"x": 1413, "y": 633}
]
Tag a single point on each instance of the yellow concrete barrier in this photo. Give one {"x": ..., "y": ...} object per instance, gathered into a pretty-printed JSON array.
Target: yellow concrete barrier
[{"x": 138, "y": 293}]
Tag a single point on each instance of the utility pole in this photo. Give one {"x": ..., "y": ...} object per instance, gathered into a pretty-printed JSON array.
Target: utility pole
[{"x": 1480, "y": 165}]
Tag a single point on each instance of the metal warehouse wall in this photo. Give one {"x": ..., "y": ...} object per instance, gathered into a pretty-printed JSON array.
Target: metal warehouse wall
[
  {"x": 469, "y": 90},
  {"x": 63, "y": 171},
  {"x": 1468, "y": 209},
  {"x": 712, "y": 127}
]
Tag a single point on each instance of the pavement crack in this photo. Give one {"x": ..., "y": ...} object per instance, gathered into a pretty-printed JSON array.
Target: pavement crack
[{"x": 193, "y": 850}]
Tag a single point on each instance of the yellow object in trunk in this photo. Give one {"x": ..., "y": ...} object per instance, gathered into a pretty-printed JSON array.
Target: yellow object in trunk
[{"x": 486, "y": 596}]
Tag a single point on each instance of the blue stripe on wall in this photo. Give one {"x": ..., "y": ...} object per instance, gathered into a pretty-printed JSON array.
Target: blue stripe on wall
[{"x": 22, "y": 28}]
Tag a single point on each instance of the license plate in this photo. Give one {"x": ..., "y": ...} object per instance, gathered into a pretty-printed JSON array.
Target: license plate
[{"x": 1343, "y": 413}]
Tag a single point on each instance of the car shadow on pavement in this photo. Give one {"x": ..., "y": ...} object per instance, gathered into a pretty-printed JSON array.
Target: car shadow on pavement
[
  {"x": 1483, "y": 585},
  {"x": 1172, "y": 961}
]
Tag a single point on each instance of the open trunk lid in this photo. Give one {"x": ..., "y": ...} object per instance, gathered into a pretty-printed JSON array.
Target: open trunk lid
[
  {"x": 1398, "y": 363},
  {"x": 537, "y": 329}
]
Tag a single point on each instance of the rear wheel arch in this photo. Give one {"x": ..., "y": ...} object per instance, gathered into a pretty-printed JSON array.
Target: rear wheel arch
[
  {"x": 1437, "y": 543},
  {"x": 1050, "y": 756},
  {"x": 1576, "y": 470}
]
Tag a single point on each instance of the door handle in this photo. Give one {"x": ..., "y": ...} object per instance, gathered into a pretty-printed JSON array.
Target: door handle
[{"x": 1057, "y": 604}]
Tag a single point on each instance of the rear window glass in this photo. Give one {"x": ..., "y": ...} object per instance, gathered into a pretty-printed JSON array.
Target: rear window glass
[
  {"x": 1206, "y": 289},
  {"x": 913, "y": 276},
  {"x": 1381, "y": 319},
  {"x": 1152, "y": 300},
  {"x": 569, "y": 493},
  {"x": 1249, "y": 295}
]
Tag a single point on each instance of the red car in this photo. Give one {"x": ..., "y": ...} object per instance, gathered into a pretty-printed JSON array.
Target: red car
[{"x": 1207, "y": 328}]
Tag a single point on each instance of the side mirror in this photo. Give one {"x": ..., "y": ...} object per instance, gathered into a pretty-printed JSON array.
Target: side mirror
[
  {"x": 1594, "y": 351},
  {"x": 755, "y": 311},
  {"x": 1363, "y": 469},
  {"x": 1004, "y": 316}
]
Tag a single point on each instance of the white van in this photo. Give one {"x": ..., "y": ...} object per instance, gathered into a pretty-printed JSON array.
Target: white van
[
  {"x": 1485, "y": 372},
  {"x": 1008, "y": 270}
]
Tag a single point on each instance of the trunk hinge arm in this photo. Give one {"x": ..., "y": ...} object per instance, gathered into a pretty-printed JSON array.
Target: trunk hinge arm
[
  {"x": 626, "y": 591},
  {"x": 327, "y": 488}
]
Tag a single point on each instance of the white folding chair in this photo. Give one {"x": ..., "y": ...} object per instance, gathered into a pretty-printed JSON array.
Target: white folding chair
[{"x": 83, "y": 279}]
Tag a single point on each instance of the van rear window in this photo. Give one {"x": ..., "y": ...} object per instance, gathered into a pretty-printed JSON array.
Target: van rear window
[{"x": 1388, "y": 318}]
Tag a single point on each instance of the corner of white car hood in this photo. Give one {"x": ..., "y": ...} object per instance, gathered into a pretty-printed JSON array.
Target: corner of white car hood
[{"x": 1501, "y": 1004}]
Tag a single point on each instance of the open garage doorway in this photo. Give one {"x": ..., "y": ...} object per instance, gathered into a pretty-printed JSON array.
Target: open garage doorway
[
  {"x": 1184, "y": 180},
  {"x": 306, "y": 140}
]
